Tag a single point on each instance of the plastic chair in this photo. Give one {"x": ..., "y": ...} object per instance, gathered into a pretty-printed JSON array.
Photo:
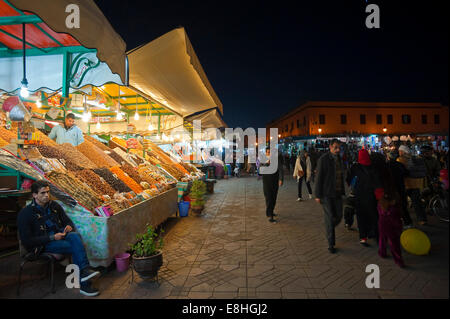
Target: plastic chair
[{"x": 49, "y": 258}]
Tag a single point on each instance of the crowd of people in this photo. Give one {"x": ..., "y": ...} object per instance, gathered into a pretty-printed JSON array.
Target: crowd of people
[{"x": 373, "y": 185}]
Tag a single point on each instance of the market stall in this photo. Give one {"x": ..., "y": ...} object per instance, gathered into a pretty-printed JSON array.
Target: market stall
[{"x": 91, "y": 181}]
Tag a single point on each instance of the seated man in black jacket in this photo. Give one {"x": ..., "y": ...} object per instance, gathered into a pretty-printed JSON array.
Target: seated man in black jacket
[{"x": 44, "y": 227}]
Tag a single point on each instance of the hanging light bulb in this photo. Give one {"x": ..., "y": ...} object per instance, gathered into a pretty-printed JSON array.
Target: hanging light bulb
[
  {"x": 39, "y": 104},
  {"x": 24, "y": 89},
  {"x": 98, "y": 124},
  {"x": 136, "y": 115},
  {"x": 119, "y": 116},
  {"x": 150, "y": 127}
]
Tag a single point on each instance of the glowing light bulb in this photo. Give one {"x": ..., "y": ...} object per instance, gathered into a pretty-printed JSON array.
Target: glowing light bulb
[
  {"x": 150, "y": 127},
  {"x": 39, "y": 104},
  {"x": 24, "y": 91},
  {"x": 136, "y": 116},
  {"x": 98, "y": 125},
  {"x": 119, "y": 116},
  {"x": 85, "y": 117}
]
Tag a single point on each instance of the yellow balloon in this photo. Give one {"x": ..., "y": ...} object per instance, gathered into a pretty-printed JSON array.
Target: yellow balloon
[{"x": 415, "y": 242}]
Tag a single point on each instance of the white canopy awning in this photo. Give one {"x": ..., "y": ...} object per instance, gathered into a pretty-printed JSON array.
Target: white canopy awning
[
  {"x": 209, "y": 119},
  {"x": 95, "y": 31},
  {"x": 45, "y": 72},
  {"x": 168, "y": 71}
]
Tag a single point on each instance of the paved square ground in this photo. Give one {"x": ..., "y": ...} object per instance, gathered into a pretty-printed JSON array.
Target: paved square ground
[{"x": 232, "y": 251}]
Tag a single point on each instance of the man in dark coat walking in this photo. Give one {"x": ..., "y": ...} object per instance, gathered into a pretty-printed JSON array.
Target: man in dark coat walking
[
  {"x": 271, "y": 183},
  {"x": 329, "y": 189}
]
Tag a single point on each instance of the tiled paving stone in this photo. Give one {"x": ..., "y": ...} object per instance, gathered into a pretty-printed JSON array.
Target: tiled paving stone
[{"x": 231, "y": 251}]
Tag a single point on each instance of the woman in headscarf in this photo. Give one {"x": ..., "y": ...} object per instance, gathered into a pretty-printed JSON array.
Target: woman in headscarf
[
  {"x": 364, "y": 184},
  {"x": 302, "y": 171}
]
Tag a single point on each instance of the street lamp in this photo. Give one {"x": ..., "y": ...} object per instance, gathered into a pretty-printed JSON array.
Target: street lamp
[
  {"x": 384, "y": 130},
  {"x": 320, "y": 130}
]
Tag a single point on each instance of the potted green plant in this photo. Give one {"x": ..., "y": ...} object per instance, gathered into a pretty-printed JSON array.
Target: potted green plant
[
  {"x": 198, "y": 191},
  {"x": 147, "y": 254}
]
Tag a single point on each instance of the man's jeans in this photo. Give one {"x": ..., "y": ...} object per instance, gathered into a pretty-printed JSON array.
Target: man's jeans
[
  {"x": 414, "y": 194},
  {"x": 73, "y": 245},
  {"x": 332, "y": 208}
]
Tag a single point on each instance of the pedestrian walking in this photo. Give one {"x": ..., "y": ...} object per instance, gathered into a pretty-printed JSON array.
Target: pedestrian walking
[
  {"x": 329, "y": 189},
  {"x": 389, "y": 216},
  {"x": 398, "y": 172},
  {"x": 302, "y": 172},
  {"x": 362, "y": 176},
  {"x": 414, "y": 181},
  {"x": 313, "y": 155},
  {"x": 271, "y": 183}
]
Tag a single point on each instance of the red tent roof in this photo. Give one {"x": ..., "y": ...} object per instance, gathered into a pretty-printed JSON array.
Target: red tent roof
[{"x": 34, "y": 35}]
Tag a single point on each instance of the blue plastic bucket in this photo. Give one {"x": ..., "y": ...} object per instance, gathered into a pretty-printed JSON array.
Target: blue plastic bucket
[{"x": 184, "y": 208}]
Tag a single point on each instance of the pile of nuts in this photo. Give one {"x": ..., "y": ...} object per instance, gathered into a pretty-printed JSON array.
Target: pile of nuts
[
  {"x": 116, "y": 183},
  {"x": 71, "y": 153},
  {"x": 99, "y": 144},
  {"x": 94, "y": 181},
  {"x": 52, "y": 152},
  {"x": 132, "y": 172},
  {"x": 96, "y": 155},
  {"x": 68, "y": 183}
]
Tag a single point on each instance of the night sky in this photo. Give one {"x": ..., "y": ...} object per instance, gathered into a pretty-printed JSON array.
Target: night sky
[{"x": 264, "y": 60}]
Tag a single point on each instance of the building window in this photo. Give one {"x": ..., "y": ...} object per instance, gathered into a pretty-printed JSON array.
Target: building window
[
  {"x": 362, "y": 119},
  {"x": 424, "y": 119},
  {"x": 304, "y": 120},
  {"x": 379, "y": 119},
  {"x": 436, "y": 118},
  {"x": 298, "y": 123},
  {"x": 390, "y": 119},
  {"x": 286, "y": 128},
  {"x": 406, "y": 119},
  {"x": 321, "y": 118},
  {"x": 343, "y": 119},
  {"x": 292, "y": 126}
]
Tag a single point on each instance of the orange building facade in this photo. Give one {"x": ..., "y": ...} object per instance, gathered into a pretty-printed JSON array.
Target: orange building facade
[{"x": 327, "y": 118}]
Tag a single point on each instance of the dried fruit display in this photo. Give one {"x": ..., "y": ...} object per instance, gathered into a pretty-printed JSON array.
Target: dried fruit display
[
  {"x": 172, "y": 171},
  {"x": 125, "y": 156},
  {"x": 45, "y": 139},
  {"x": 7, "y": 135},
  {"x": 119, "y": 141},
  {"x": 53, "y": 152},
  {"x": 116, "y": 157},
  {"x": 75, "y": 188},
  {"x": 3, "y": 142},
  {"x": 94, "y": 182},
  {"x": 114, "y": 206},
  {"x": 71, "y": 153},
  {"x": 96, "y": 155},
  {"x": 97, "y": 143},
  {"x": 132, "y": 172},
  {"x": 15, "y": 163},
  {"x": 31, "y": 153},
  {"x": 115, "y": 183},
  {"x": 146, "y": 177},
  {"x": 135, "y": 187}
]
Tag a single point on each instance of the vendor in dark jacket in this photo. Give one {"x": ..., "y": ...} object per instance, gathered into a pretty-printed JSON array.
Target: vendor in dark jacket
[
  {"x": 329, "y": 189},
  {"x": 44, "y": 227}
]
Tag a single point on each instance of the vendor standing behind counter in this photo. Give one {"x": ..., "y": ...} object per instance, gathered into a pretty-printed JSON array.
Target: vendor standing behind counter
[{"x": 70, "y": 133}]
